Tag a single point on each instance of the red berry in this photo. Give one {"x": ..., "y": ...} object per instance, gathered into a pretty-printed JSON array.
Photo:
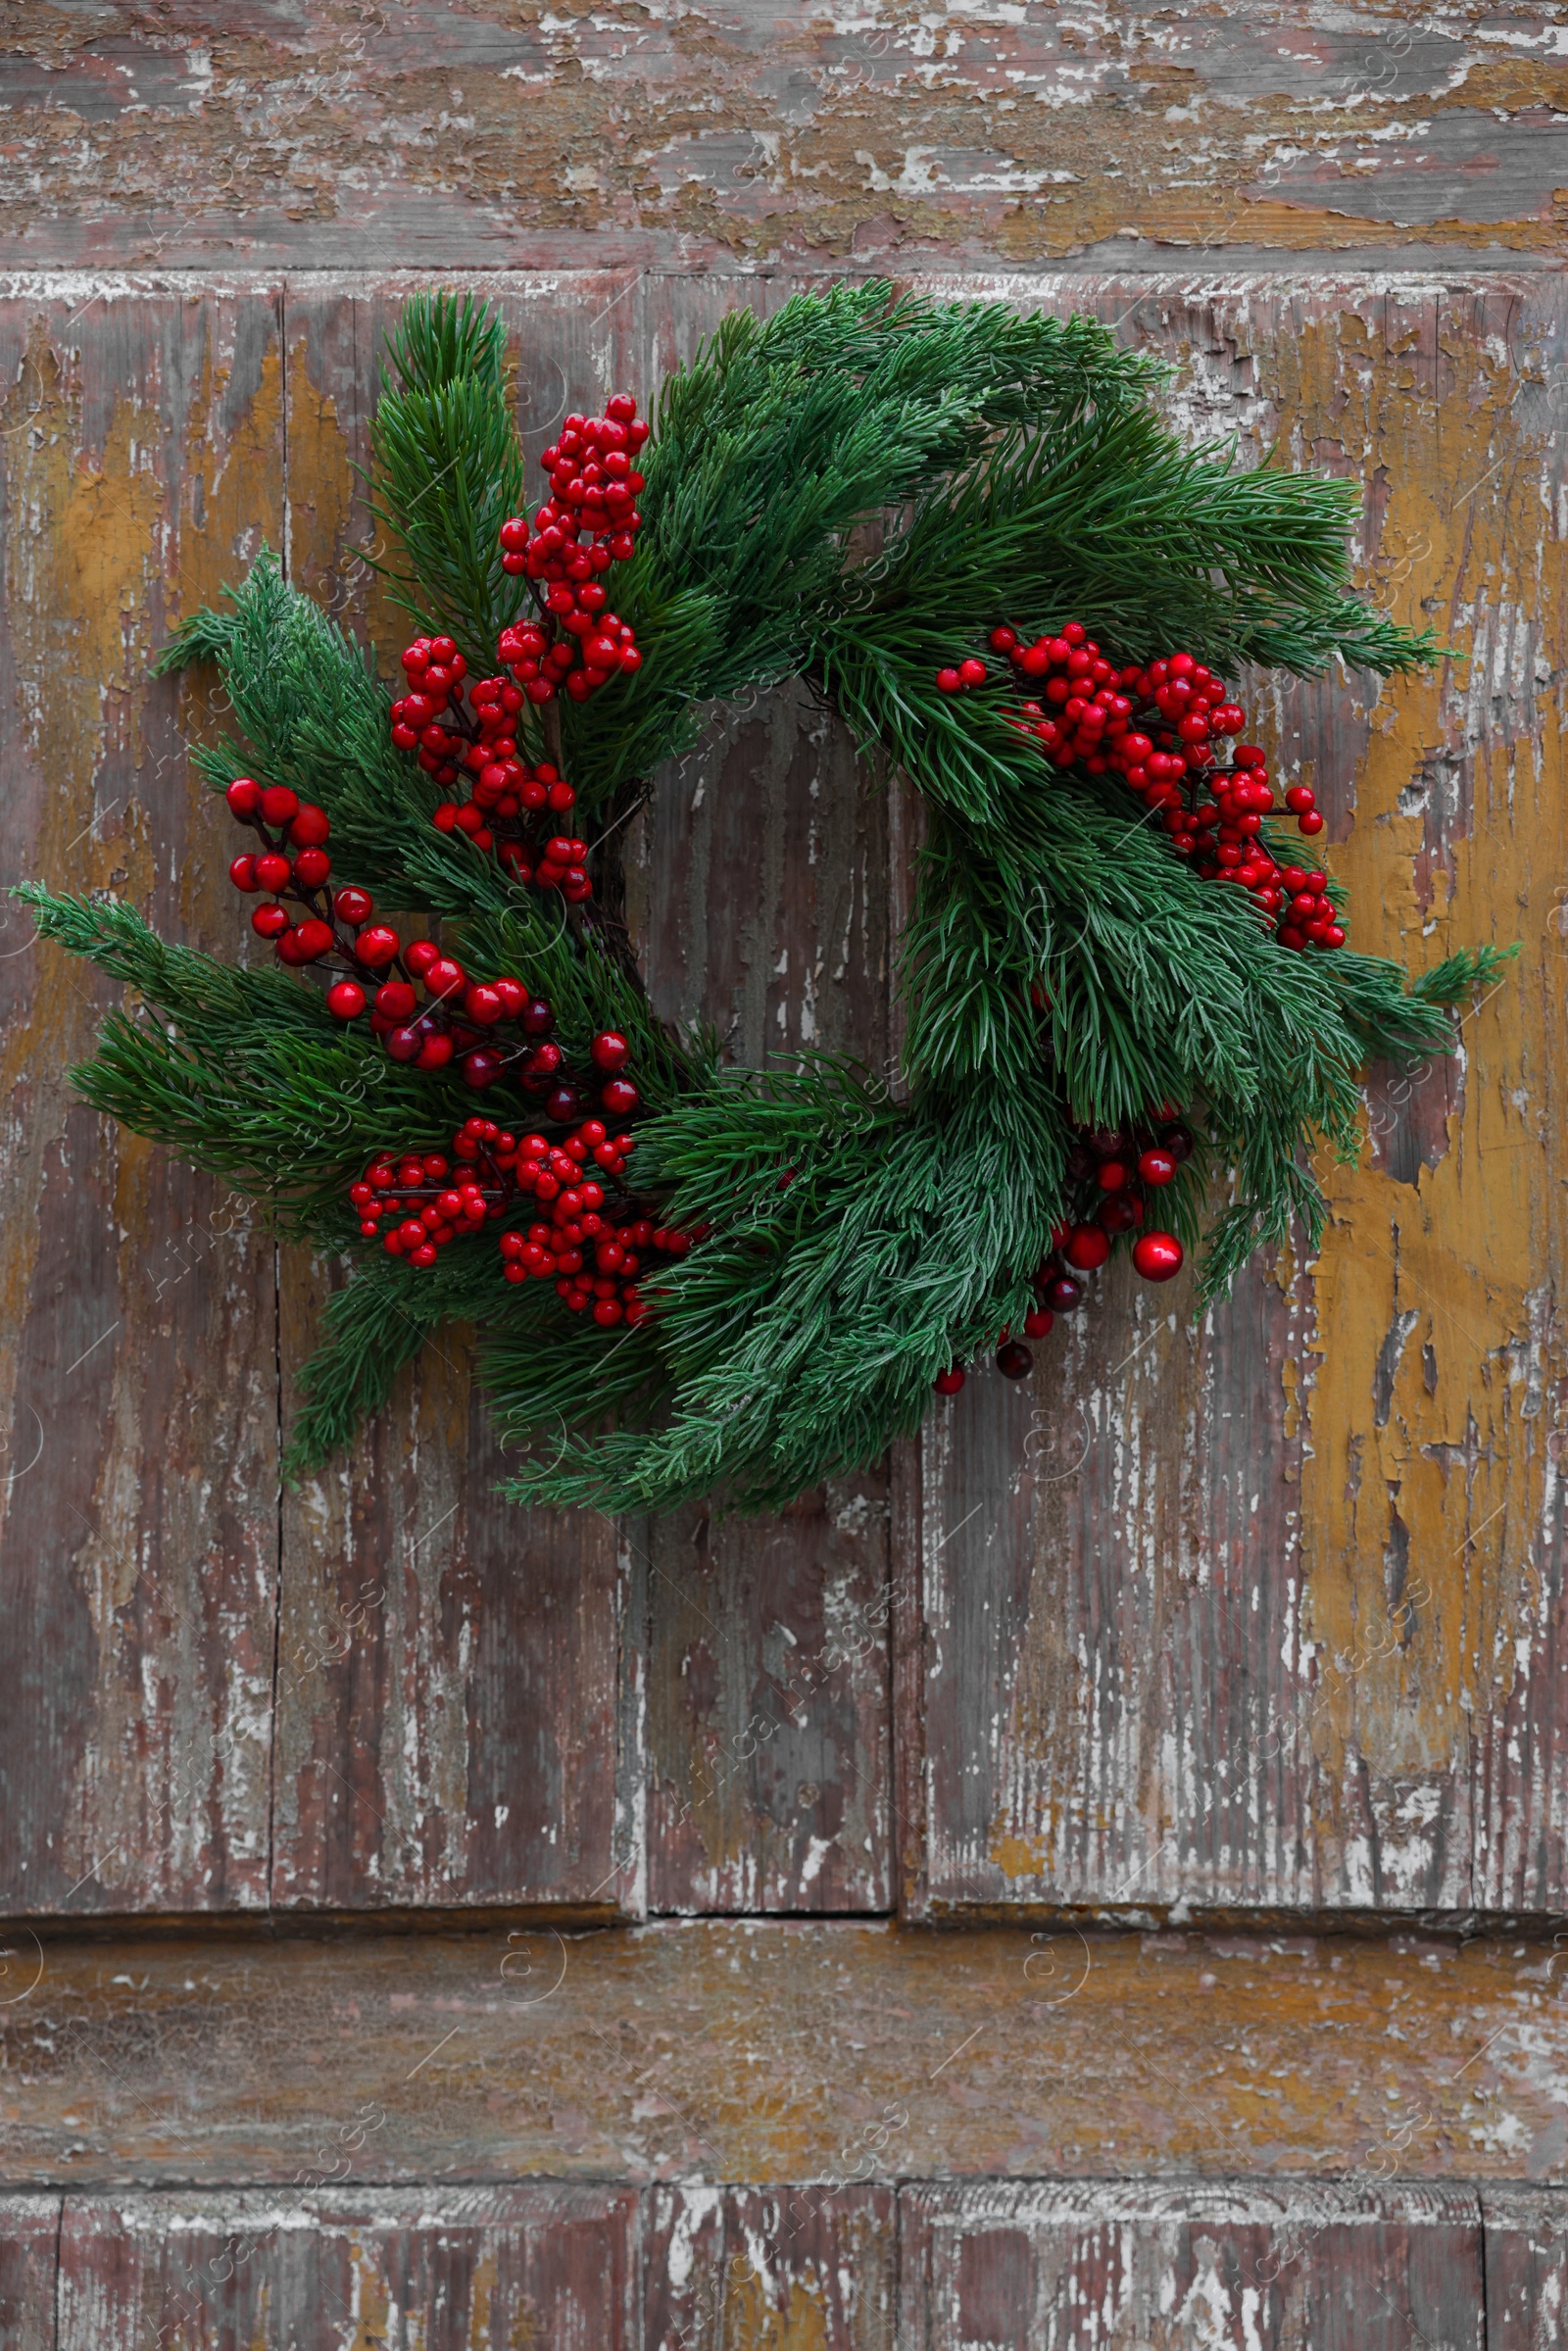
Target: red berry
[
  {"x": 310, "y": 828},
  {"x": 609, "y": 1050},
  {"x": 1037, "y": 1323},
  {"x": 444, "y": 977},
  {"x": 481, "y": 1068},
  {"x": 1004, "y": 639},
  {"x": 272, "y": 871},
  {"x": 314, "y": 939},
  {"x": 269, "y": 922},
  {"x": 620, "y": 1098},
  {"x": 1157, "y": 1256},
  {"x": 1311, "y": 822},
  {"x": 949, "y": 681},
  {"x": 1063, "y": 1295},
  {"x": 378, "y": 945},
  {"x": 1088, "y": 1248},
  {"x": 346, "y": 999},
  {"x": 1300, "y": 798},
  {"x": 1156, "y": 1166},
  {"x": 351, "y": 904},
  {"x": 1014, "y": 1361},
  {"x": 972, "y": 673},
  {"x": 436, "y": 1052},
  {"x": 244, "y": 796},
  {"x": 279, "y": 803},
  {"x": 312, "y": 867},
  {"x": 483, "y": 1004},
  {"x": 1111, "y": 1175},
  {"x": 242, "y": 873},
  {"x": 421, "y": 956},
  {"x": 394, "y": 998}
]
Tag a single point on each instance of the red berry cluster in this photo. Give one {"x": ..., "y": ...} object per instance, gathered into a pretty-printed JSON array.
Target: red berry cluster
[
  {"x": 1108, "y": 1175},
  {"x": 506, "y": 796},
  {"x": 489, "y": 1028},
  {"x": 592, "y": 1241},
  {"x": 592, "y": 1245},
  {"x": 417, "y": 1203},
  {"x": 1158, "y": 727},
  {"x": 589, "y": 521}
]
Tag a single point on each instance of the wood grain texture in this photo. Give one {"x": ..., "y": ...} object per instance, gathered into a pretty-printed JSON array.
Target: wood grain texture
[
  {"x": 30, "y": 2236},
  {"x": 1527, "y": 2268},
  {"x": 1025, "y": 2269},
  {"x": 757, "y": 888},
  {"x": 1265, "y": 1610},
  {"x": 451, "y": 1725},
  {"x": 804, "y": 2269},
  {"x": 758, "y": 2052},
  {"x": 751, "y": 134},
  {"x": 141, "y": 463},
  {"x": 449, "y": 2269}
]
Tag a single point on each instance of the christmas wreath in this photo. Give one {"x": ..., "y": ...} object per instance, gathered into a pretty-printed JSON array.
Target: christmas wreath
[{"x": 1127, "y": 982}]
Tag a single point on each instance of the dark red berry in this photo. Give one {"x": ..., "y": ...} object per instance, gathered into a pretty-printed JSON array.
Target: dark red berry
[{"x": 1013, "y": 1360}]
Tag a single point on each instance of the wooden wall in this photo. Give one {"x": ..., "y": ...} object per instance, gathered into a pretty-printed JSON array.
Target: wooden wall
[{"x": 1148, "y": 1786}]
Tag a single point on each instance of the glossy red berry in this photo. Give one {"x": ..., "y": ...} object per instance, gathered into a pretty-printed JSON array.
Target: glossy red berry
[
  {"x": 312, "y": 867},
  {"x": 1087, "y": 1249},
  {"x": 310, "y": 828},
  {"x": 269, "y": 922},
  {"x": 242, "y": 873},
  {"x": 620, "y": 1098},
  {"x": 396, "y": 1000},
  {"x": 1038, "y": 1322},
  {"x": 279, "y": 803},
  {"x": 1156, "y": 1166},
  {"x": 376, "y": 945},
  {"x": 244, "y": 796},
  {"x": 1157, "y": 1256},
  {"x": 346, "y": 1000},
  {"x": 1061, "y": 1294},
  {"x": 313, "y": 938},
  {"x": 609, "y": 1050},
  {"x": 272, "y": 871},
  {"x": 351, "y": 906}
]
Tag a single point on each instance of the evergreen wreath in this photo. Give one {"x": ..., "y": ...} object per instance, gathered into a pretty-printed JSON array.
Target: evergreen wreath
[{"x": 1119, "y": 987}]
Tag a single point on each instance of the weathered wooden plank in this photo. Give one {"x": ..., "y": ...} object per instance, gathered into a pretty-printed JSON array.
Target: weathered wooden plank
[
  {"x": 30, "y": 2236},
  {"x": 766, "y": 1699},
  {"x": 1526, "y": 2238},
  {"x": 140, "y": 450},
  {"x": 756, "y": 886},
  {"x": 803, "y": 2269},
  {"x": 456, "y": 1710},
  {"x": 1304, "y": 2268},
  {"x": 450, "y": 2269},
  {"x": 1261, "y": 1610},
  {"x": 758, "y": 133},
  {"x": 763, "y": 2051}
]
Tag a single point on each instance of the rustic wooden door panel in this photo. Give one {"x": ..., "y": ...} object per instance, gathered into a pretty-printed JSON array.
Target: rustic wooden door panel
[
  {"x": 1264, "y": 1610},
  {"x": 406, "y": 1770},
  {"x": 456, "y": 1701},
  {"x": 742, "y": 2269},
  {"x": 758, "y": 890},
  {"x": 443, "y": 2270},
  {"x": 1527, "y": 2268},
  {"x": 1105, "y": 2265},
  {"x": 29, "y": 2234},
  {"x": 141, "y": 445}
]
